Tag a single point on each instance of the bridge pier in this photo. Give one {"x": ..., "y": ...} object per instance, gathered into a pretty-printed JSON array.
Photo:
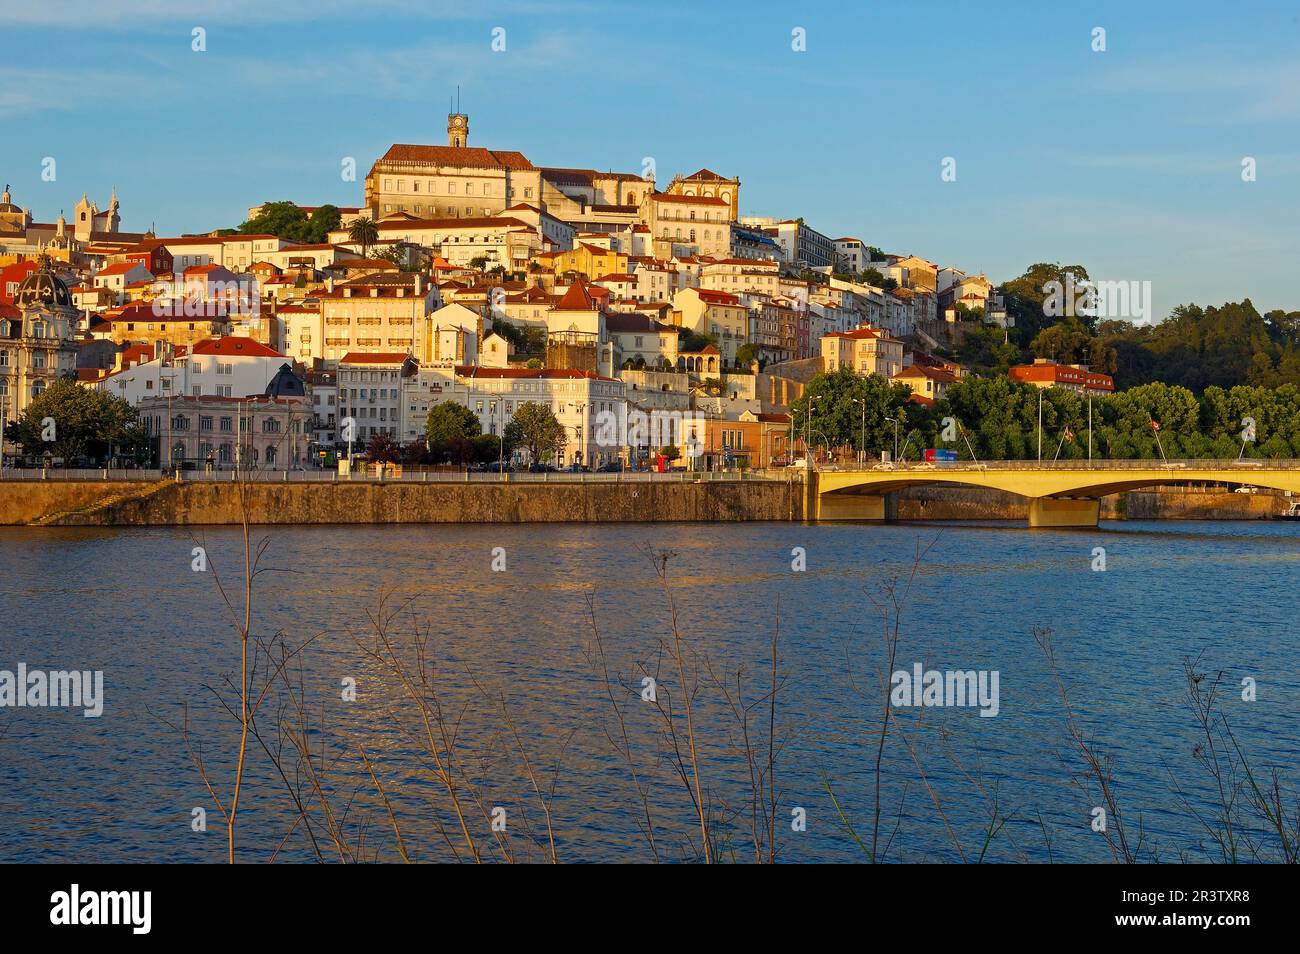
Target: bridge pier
[
  {"x": 1063, "y": 512},
  {"x": 849, "y": 507}
]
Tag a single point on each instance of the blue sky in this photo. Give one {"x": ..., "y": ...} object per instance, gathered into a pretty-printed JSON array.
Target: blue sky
[{"x": 1127, "y": 161}]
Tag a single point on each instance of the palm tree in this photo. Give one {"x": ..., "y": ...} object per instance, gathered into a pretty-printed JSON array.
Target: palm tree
[{"x": 364, "y": 232}]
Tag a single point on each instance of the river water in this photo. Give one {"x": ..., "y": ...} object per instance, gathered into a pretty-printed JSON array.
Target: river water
[{"x": 513, "y": 668}]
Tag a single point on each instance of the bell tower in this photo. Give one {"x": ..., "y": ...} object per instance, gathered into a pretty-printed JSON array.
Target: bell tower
[
  {"x": 457, "y": 130},
  {"x": 457, "y": 125}
]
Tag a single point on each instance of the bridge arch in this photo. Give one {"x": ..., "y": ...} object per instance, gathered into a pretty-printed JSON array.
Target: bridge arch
[{"x": 1058, "y": 496}]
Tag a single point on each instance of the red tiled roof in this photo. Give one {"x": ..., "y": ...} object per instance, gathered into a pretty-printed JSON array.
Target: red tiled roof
[
  {"x": 120, "y": 269},
  {"x": 857, "y": 334},
  {"x": 716, "y": 297},
  {"x": 462, "y": 157},
  {"x": 1053, "y": 373},
  {"x": 705, "y": 175},
  {"x": 577, "y": 298},
  {"x": 236, "y": 346},
  {"x": 474, "y": 371},
  {"x": 925, "y": 371}
]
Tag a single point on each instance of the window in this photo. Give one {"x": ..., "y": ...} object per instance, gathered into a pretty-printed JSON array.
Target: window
[{"x": 227, "y": 425}]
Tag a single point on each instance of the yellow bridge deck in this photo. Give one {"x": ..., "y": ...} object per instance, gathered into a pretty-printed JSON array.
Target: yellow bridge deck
[{"x": 1060, "y": 494}]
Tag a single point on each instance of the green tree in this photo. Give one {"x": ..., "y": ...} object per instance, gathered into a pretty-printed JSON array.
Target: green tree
[
  {"x": 448, "y": 421},
  {"x": 288, "y": 221},
  {"x": 81, "y": 421},
  {"x": 747, "y": 354},
  {"x": 365, "y": 233},
  {"x": 839, "y": 419},
  {"x": 986, "y": 350},
  {"x": 539, "y": 432},
  {"x": 1026, "y": 298},
  {"x": 1066, "y": 342},
  {"x": 695, "y": 341}
]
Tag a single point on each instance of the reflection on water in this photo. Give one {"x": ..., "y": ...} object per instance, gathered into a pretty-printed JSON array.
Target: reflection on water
[{"x": 513, "y": 670}]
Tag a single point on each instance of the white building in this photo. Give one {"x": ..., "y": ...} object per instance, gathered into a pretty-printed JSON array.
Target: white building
[
  {"x": 581, "y": 400},
  {"x": 219, "y": 367}
]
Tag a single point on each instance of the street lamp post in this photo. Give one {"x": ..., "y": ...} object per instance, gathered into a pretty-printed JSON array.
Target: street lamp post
[
  {"x": 501, "y": 443},
  {"x": 1040, "y": 425},
  {"x": 582, "y": 432},
  {"x": 894, "y": 421},
  {"x": 862, "y": 439},
  {"x": 807, "y": 431}
]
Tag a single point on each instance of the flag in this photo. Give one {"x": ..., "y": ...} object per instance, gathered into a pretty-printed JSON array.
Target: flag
[
  {"x": 1155, "y": 426},
  {"x": 1069, "y": 434}
]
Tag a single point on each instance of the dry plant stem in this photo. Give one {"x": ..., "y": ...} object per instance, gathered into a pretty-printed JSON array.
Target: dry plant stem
[
  {"x": 543, "y": 799},
  {"x": 388, "y": 807},
  {"x": 624, "y": 744},
  {"x": 1097, "y": 768},
  {"x": 892, "y": 634},
  {"x": 661, "y": 568},
  {"x": 438, "y": 737}
]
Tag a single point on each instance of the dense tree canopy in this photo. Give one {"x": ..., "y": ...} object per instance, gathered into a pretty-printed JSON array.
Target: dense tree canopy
[
  {"x": 288, "y": 221},
  {"x": 839, "y": 420},
  {"x": 1000, "y": 417},
  {"x": 538, "y": 430},
  {"x": 69, "y": 421},
  {"x": 1025, "y": 297},
  {"x": 1200, "y": 348},
  {"x": 450, "y": 421}
]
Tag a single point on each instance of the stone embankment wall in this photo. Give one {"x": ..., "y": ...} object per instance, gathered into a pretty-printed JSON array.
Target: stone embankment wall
[
  {"x": 201, "y": 502},
  {"x": 124, "y": 503}
]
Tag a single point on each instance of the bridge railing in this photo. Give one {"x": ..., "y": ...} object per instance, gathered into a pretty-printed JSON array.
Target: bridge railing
[
  {"x": 406, "y": 477},
  {"x": 1244, "y": 466}
]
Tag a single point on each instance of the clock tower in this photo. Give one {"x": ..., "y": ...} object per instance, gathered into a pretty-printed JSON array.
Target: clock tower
[{"x": 457, "y": 130}]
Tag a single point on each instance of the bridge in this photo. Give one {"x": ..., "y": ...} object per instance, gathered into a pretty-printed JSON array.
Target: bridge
[{"x": 1060, "y": 494}]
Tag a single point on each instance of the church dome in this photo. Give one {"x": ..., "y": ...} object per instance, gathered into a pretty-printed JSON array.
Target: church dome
[
  {"x": 44, "y": 288},
  {"x": 286, "y": 384}
]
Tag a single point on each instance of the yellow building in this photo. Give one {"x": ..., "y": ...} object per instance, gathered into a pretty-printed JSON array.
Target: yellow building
[
  {"x": 926, "y": 383},
  {"x": 713, "y": 312},
  {"x": 862, "y": 351},
  {"x": 451, "y": 181},
  {"x": 702, "y": 223},
  {"x": 589, "y": 260},
  {"x": 710, "y": 185}
]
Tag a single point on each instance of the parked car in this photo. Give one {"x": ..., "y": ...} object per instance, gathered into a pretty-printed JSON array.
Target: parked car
[
  {"x": 499, "y": 467},
  {"x": 538, "y": 468},
  {"x": 612, "y": 467}
]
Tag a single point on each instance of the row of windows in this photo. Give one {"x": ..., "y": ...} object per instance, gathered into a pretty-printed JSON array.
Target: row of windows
[{"x": 466, "y": 188}]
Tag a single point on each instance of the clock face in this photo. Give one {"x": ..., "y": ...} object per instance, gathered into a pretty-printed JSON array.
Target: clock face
[{"x": 458, "y": 121}]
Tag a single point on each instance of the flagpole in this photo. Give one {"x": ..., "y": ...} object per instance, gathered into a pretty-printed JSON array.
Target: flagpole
[
  {"x": 1090, "y": 428},
  {"x": 1060, "y": 444},
  {"x": 1155, "y": 429}
]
